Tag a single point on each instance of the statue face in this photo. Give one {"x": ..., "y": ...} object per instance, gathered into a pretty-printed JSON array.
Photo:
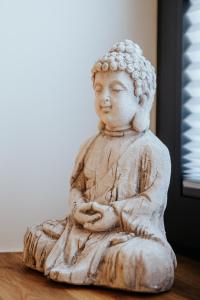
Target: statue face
[{"x": 115, "y": 101}]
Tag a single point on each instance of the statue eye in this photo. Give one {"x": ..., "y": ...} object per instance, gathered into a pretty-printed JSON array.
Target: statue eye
[
  {"x": 98, "y": 89},
  {"x": 117, "y": 89}
]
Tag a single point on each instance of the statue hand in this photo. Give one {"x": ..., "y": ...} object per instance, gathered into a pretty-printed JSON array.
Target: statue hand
[
  {"x": 107, "y": 221},
  {"x": 84, "y": 214}
]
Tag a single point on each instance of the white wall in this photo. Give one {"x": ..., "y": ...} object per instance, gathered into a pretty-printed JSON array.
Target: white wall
[{"x": 47, "y": 48}]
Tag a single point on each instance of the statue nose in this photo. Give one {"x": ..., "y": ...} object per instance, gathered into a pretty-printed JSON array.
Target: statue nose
[{"x": 106, "y": 100}]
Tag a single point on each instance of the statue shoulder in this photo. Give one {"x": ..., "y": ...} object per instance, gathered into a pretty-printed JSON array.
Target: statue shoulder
[
  {"x": 151, "y": 144},
  {"x": 79, "y": 161},
  {"x": 84, "y": 147}
]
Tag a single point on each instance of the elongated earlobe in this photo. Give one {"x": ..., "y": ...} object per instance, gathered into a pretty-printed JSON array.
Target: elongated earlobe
[{"x": 141, "y": 120}]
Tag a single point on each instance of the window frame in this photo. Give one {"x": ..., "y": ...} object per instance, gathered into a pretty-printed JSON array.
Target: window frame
[{"x": 182, "y": 217}]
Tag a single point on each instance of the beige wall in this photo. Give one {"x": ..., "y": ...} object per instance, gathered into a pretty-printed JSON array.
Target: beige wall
[{"x": 47, "y": 50}]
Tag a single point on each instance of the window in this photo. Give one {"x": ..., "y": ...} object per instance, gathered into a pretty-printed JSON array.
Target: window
[
  {"x": 191, "y": 100},
  {"x": 182, "y": 217}
]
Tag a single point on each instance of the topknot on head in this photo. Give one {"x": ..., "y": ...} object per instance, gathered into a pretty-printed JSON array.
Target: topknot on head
[
  {"x": 128, "y": 56},
  {"x": 126, "y": 46}
]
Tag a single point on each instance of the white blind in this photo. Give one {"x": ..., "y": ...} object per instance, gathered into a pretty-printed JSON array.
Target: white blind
[{"x": 191, "y": 97}]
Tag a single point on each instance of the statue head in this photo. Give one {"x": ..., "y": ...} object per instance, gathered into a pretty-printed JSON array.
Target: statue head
[{"x": 124, "y": 82}]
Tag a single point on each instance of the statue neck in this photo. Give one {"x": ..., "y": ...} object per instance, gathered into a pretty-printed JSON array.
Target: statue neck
[
  {"x": 119, "y": 131},
  {"x": 119, "y": 128}
]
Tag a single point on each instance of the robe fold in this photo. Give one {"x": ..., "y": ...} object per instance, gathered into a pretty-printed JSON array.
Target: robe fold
[{"x": 131, "y": 173}]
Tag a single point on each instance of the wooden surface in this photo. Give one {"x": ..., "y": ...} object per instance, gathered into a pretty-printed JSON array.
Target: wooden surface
[{"x": 19, "y": 283}]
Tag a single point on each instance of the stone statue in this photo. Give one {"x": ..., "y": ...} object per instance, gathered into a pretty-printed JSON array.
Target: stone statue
[{"x": 114, "y": 235}]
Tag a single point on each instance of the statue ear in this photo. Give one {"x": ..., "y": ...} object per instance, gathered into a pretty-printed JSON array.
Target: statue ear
[{"x": 141, "y": 120}]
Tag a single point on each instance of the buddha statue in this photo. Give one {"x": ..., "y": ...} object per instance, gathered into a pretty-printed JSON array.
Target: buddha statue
[{"x": 114, "y": 235}]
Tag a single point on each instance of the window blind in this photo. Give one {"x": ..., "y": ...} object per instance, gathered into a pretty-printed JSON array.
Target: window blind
[{"x": 191, "y": 100}]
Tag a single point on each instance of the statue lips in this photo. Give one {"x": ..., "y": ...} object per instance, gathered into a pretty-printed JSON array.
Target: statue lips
[{"x": 106, "y": 108}]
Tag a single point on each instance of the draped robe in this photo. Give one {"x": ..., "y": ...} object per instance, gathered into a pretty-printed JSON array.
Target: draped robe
[{"x": 131, "y": 173}]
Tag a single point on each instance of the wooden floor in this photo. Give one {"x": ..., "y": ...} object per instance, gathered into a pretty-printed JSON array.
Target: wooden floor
[{"x": 20, "y": 283}]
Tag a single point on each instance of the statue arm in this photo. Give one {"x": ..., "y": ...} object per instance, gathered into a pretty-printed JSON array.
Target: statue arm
[
  {"x": 138, "y": 211},
  {"x": 80, "y": 209},
  {"x": 75, "y": 199},
  {"x": 78, "y": 181}
]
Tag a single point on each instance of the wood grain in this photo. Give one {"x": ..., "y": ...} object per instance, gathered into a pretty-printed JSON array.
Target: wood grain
[{"x": 20, "y": 283}]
